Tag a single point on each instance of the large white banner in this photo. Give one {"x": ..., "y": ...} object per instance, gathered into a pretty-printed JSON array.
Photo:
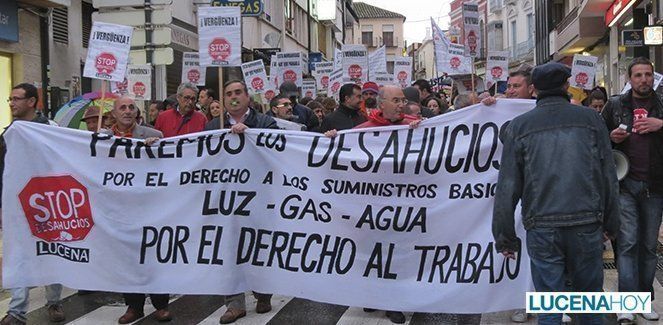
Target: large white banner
[
  {"x": 497, "y": 67},
  {"x": 139, "y": 78},
  {"x": 471, "y": 28},
  {"x": 397, "y": 213},
  {"x": 290, "y": 67},
  {"x": 108, "y": 51},
  {"x": 255, "y": 77},
  {"x": 191, "y": 70},
  {"x": 583, "y": 71},
  {"x": 322, "y": 72},
  {"x": 403, "y": 71},
  {"x": 377, "y": 62},
  {"x": 355, "y": 64},
  {"x": 219, "y": 36}
]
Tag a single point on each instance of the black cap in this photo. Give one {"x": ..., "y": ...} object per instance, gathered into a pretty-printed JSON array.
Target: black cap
[{"x": 551, "y": 75}]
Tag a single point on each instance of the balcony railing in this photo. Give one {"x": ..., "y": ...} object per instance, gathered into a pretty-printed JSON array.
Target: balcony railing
[
  {"x": 495, "y": 5},
  {"x": 522, "y": 50}
]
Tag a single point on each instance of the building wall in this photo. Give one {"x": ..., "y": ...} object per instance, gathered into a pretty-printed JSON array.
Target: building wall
[
  {"x": 66, "y": 59},
  {"x": 26, "y": 54},
  {"x": 425, "y": 60},
  {"x": 508, "y": 12},
  {"x": 377, "y": 25}
]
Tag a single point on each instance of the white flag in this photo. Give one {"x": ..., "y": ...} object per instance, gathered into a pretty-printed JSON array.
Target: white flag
[
  {"x": 191, "y": 70},
  {"x": 449, "y": 57},
  {"x": 403, "y": 71},
  {"x": 255, "y": 77},
  {"x": 219, "y": 40},
  {"x": 583, "y": 71},
  {"x": 108, "y": 52},
  {"x": 377, "y": 62},
  {"x": 355, "y": 64},
  {"x": 497, "y": 67},
  {"x": 338, "y": 59}
]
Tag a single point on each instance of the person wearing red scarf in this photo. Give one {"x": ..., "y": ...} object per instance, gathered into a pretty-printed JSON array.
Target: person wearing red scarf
[{"x": 391, "y": 102}]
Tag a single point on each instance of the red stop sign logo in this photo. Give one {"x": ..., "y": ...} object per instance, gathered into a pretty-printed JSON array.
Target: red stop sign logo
[
  {"x": 269, "y": 94},
  {"x": 354, "y": 71},
  {"x": 257, "y": 83},
  {"x": 454, "y": 62},
  {"x": 139, "y": 89},
  {"x": 193, "y": 75},
  {"x": 496, "y": 72},
  {"x": 325, "y": 81},
  {"x": 57, "y": 208},
  {"x": 582, "y": 79},
  {"x": 289, "y": 75},
  {"x": 105, "y": 63},
  {"x": 219, "y": 49},
  {"x": 335, "y": 86}
]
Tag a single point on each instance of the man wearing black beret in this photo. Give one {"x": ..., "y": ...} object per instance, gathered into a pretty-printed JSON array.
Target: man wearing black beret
[{"x": 558, "y": 162}]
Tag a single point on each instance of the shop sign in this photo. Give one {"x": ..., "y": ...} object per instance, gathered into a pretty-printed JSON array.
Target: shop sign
[
  {"x": 248, "y": 8},
  {"x": 633, "y": 38},
  {"x": 653, "y": 35},
  {"x": 616, "y": 10},
  {"x": 9, "y": 21}
]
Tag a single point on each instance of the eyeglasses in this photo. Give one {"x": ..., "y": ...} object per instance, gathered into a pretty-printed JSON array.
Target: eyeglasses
[
  {"x": 15, "y": 99},
  {"x": 399, "y": 100},
  {"x": 189, "y": 98},
  {"x": 284, "y": 105}
]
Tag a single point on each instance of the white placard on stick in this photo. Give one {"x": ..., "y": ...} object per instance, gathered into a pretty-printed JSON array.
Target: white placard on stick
[
  {"x": 108, "y": 51},
  {"x": 309, "y": 88},
  {"x": 191, "y": 70},
  {"x": 403, "y": 71},
  {"x": 497, "y": 67},
  {"x": 322, "y": 72},
  {"x": 255, "y": 77},
  {"x": 583, "y": 71},
  {"x": 355, "y": 64},
  {"x": 290, "y": 67},
  {"x": 219, "y": 40},
  {"x": 140, "y": 81}
]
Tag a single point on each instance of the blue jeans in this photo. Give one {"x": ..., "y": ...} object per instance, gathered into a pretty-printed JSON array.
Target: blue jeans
[
  {"x": 18, "y": 306},
  {"x": 579, "y": 249},
  {"x": 638, "y": 236}
]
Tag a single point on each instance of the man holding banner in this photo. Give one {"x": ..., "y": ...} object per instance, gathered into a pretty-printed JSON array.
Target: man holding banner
[
  {"x": 23, "y": 105},
  {"x": 557, "y": 161}
]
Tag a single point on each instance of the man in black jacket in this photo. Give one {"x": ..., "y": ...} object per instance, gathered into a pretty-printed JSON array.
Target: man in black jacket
[
  {"x": 348, "y": 114},
  {"x": 238, "y": 116},
  {"x": 23, "y": 105},
  {"x": 640, "y": 112},
  {"x": 558, "y": 162},
  {"x": 302, "y": 114}
]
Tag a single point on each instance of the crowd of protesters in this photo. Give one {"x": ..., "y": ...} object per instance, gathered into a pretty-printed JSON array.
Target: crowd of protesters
[{"x": 629, "y": 213}]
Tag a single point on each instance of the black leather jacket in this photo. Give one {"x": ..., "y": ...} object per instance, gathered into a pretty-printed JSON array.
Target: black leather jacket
[
  {"x": 255, "y": 120},
  {"x": 558, "y": 162},
  {"x": 619, "y": 110}
]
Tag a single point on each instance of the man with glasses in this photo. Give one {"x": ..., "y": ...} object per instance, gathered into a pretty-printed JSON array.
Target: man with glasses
[
  {"x": 23, "y": 106},
  {"x": 281, "y": 108},
  {"x": 184, "y": 119}
]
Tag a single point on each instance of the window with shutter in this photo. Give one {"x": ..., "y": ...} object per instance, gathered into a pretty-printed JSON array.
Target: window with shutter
[{"x": 61, "y": 25}]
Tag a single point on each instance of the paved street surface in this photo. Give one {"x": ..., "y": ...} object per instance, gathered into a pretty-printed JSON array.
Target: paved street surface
[{"x": 106, "y": 308}]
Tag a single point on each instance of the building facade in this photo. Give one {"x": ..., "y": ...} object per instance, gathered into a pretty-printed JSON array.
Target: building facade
[{"x": 378, "y": 27}]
